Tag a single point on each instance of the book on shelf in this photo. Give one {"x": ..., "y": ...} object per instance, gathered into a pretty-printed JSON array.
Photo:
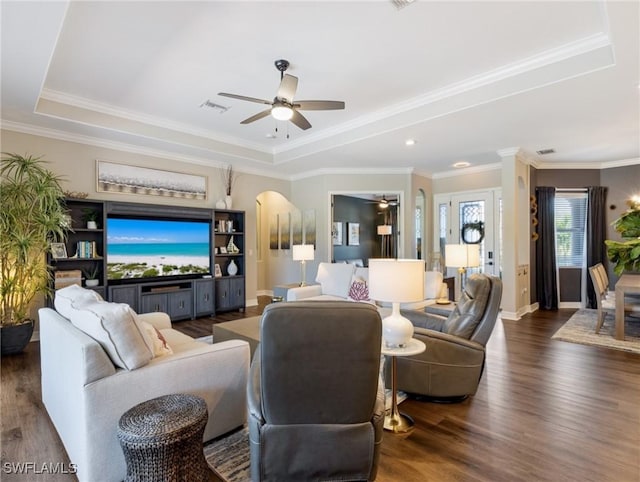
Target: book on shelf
[
  {"x": 66, "y": 278},
  {"x": 87, "y": 249}
]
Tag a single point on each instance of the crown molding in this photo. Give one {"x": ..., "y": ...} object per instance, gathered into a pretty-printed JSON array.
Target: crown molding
[
  {"x": 129, "y": 148},
  {"x": 106, "y": 109},
  {"x": 588, "y": 165},
  {"x": 353, "y": 171}
]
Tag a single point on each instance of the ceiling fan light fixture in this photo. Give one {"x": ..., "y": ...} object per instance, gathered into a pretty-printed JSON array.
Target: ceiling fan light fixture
[{"x": 281, "y": 112}]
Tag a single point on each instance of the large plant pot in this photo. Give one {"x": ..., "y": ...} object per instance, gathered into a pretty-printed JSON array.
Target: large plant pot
[{"x": 14, "y": 338}]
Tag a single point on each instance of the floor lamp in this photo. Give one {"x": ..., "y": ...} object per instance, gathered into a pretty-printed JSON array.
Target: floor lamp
[
  {"x": 462, "y": 256},
  {"x": 384, "y": 230},
  {"x": 303, "y": 253}
]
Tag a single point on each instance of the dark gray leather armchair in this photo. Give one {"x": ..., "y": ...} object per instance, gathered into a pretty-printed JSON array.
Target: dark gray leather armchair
[
  {"x": 451, "y": 366},
  {"x": 316, "y": 409}
]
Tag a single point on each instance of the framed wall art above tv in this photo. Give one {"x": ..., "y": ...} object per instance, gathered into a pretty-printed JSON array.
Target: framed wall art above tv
[{"x": 126, "y": 179}]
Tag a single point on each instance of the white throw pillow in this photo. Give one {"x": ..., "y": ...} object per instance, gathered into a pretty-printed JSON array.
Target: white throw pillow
[
  {"x": 72, "y": 297},
  {"x": 335, "y": 278},
  {"x": 117, "y": 328}
]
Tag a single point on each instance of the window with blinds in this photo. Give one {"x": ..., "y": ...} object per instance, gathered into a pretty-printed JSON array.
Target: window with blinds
[{"x": 571, "y": 219}]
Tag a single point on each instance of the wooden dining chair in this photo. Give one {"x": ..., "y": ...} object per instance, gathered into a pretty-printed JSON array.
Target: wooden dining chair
[{"x": 605, "y": 300}]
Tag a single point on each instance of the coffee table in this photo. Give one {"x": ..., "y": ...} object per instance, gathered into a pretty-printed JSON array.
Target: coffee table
[
  {"x": 397, "y": 422},
  {"x": 247, "y": 329}
]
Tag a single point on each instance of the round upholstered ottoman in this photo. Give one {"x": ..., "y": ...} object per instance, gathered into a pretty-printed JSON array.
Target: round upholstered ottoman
[{"x": 162, "y": 439}]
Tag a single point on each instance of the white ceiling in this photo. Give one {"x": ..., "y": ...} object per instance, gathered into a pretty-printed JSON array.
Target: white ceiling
[{"x": 464, "y": 79}]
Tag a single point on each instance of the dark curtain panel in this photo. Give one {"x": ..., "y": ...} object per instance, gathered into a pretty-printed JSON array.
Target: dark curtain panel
[
  {"x": 546, "y": 282},
  {"x": 596, "y": 234}
]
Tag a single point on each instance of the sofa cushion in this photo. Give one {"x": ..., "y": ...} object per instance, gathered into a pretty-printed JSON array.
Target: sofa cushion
[
  {"x": 335, "y": 278},
  {"x": 70, "y": 298},
  {"x": 116, "y": 327}
]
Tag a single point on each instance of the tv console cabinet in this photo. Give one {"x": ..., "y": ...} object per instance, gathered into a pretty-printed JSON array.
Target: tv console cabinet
[
  {"x": 185, "y": 298},
  {"x": 181, "y": 300}
]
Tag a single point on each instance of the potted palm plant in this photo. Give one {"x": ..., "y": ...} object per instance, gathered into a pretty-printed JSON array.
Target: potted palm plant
[
  {"x": 33, "y": 215},
  {"x": 626, "y": 254}
]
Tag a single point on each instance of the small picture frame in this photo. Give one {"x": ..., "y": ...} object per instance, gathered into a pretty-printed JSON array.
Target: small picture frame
[
  {"x": 336, "y": 233},
  {"x": 223, "y": 250},
  {"x": 353, "y": 234},
  {"x": 217, "y": 272},
  {"x": 216, "y": 250},
  {"x": 58, "y": 251}
]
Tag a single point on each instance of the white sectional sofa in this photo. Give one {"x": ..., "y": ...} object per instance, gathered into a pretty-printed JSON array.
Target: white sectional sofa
[
  {"x": 99, "y": 360},
  {"x": 343, "y": 281}
]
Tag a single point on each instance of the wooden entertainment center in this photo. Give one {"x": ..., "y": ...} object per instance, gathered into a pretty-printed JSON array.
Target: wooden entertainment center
[{"x": 181, "y": 297}]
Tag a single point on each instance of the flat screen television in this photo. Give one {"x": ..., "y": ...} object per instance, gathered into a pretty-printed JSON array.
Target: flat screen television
[{"x": 151, "y": 248}]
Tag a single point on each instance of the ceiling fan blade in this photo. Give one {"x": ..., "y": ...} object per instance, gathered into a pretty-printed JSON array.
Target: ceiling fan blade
[
  {"x": 300, "y": 120},
  {"x": 288, "y": 87},
  {"x": 256, "y": 117},
  {"x": 243, "y": 97},
  {"x": 319, "y": 105}
]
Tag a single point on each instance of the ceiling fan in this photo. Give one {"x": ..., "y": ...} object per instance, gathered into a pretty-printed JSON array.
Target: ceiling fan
[
  {"x": 384, "y": 203},
  {"x": 283, "y": 106}
]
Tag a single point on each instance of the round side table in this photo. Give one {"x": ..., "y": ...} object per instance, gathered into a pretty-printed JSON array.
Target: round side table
[
  {"x": 397, "y": 422},
  {"x": 162, "y": 439}
]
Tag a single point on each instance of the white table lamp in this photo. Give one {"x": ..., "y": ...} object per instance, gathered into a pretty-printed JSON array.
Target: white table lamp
[
  {"x": 462, "y": 256},
  {"x": 303, "y": 253},
  {"x": 396, "y": 281}
]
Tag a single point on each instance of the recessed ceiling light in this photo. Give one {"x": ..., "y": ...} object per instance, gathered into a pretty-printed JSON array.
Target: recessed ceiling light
[
  {"x": 460, "y": 164},
  {"x": 410, "y": 142}
]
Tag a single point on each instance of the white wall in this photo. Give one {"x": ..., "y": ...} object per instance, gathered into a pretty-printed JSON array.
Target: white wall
[{"x": 76, "y": 163}]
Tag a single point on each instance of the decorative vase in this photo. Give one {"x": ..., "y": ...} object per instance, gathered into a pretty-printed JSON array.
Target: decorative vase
[
  {"x": 220, "y": 204},
  {"x": 232, "y": 269},
  {"x": 92, "y": 282},
  {"x": 14, "y": 338},
  {"x": 231, "y": 247},
  {"x": 92, "y": 225},
  {"x": 228, "y": 202}
]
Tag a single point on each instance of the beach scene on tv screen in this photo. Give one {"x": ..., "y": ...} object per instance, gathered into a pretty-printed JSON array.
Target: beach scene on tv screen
[{"x": 149, "y": 248}]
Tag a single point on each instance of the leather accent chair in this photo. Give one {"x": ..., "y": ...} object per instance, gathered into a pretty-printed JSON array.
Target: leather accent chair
[
  {"x": 451, "y": 366},
  {"x": 315, "y": 398}
]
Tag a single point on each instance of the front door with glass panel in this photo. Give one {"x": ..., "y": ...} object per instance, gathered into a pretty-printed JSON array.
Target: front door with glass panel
[{"x": 470, "y": 218}]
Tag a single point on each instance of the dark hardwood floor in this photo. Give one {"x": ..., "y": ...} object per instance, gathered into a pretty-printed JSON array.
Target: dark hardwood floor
[{"x": 545, "y": 410}]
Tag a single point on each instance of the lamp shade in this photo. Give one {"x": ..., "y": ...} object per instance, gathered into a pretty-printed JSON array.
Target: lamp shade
[
  {"x": 384, "y": 229},
  {"x": 396, "y": 280},
  {"x": 303, "y": 252},
  {"x": 462, "y": 255}
]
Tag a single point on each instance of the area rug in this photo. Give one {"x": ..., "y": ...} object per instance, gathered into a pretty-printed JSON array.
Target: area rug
[
  {"x": 229, "y": 458},
  {"x": 580, "y": 328}
]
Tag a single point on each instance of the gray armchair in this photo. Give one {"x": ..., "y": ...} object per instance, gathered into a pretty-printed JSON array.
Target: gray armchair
[
  {"x": 451, "y": 366},
  {"x": 316, "y": 409}
]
